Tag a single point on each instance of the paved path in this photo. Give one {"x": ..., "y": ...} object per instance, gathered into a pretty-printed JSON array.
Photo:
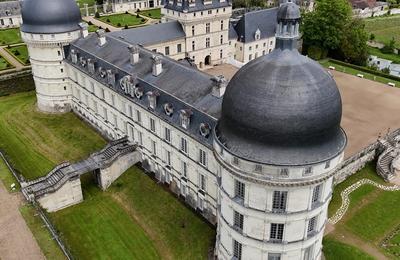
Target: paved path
[
  {"x": 10, "y": 58},
  {"x": 101, "y": 24},
  {"x": 16, "y": 240}
]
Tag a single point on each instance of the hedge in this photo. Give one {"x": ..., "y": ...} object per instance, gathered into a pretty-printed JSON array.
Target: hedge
[{"x": 367, "y": 70}]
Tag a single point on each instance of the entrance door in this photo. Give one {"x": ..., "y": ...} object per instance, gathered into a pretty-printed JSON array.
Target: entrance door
[{"x": 207, "y": 60}]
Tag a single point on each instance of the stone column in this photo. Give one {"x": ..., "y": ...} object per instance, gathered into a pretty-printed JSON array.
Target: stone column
[
  {"x": 105, "y": 7},
  {"x": 86, "y": 9}
]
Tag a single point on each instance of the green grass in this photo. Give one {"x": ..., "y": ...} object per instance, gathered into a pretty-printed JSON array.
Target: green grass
[
  {"x": 367, "y": 172},
  {"x": 335, "y": 250},
  {"x": 20, "y": 52},
  {"x": 47, "y": 244},
  {"x": 152, "y": 13},
  {"x": 178, "y": 232},
  {"x": 122, "y": 19},
  {"x": 4, "y": 64},
  {"x": 351, "y": 71},
  {"x": 36, "y": 142},
  {"x": 98, "y": 228},
  {"x": 376, "y": 52},
  {"x": 93, "y": 28},
  {"x": 384, "y": 28},
  {"x": 393, "y": 246},
  {"x": 373, "y": 221},
  {"x": 82, "y": 2},
  {"x": 6, "y": 176},
  {"x": 10, "y": 36}
]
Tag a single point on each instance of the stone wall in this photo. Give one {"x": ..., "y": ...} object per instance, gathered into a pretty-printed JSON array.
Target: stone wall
[{"x": 69, "y": 194}]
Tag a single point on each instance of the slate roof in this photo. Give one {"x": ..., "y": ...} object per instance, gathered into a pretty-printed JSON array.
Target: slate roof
[
  {"x": 153, "y": 34},
  {"x": 180, "y": 85},
  {"x": 10, "y": 8},
  {"x": 199, "y": 5},
  {"x": 265, "y": 20}
]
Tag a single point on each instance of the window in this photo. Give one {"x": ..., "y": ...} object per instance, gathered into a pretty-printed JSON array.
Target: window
[
  {"x": 167, "y": 50},
  {"x": 62, "y": 70},
  {"x": 239, "y": 189},
  {"x": 184, "y": 145},
  {"x": 249, "y": 48},
  {"x": 140, "y": 138},
  {"x": 153, "y": 146},
  {"x": 284, "y": 172},
  {"x": 179, "y": 48},
  {"x": 92, "y": 87},
  {"x": 95, "y": 106},
  {"x": 59, "y": 53},
  {"x": 250, "y": 57},
  {"x": 193, "y": 46},
  {"x": 327, "y": 164},
  {"x": 105, "y": 115},
  {"x": 203, "y": 157},
  {"x": 258, "y": 168},
  {"x": 138, "y": 116},
  {"x": 235, "y": 161},
  {"x": 168, "y": 157},
  {"x": 316, "y": 194},
  {"x": 238, "y": 220},
  {"x": 222, "y": 25},
  {"x": 265, "y": 44},
  {"x": 308, "y": 254},
  {"x": 167, "y": 134},
  {"x": 256, "y": 46},
  {"x": 193, "y": 30},
  {"x": 220, "y": 54},
  {"x": 221, "y": 39},
  {"x": 152, "y": 125},
  {"x": 112, "y": 100},
  {"x": 103, "y": 94},
  {"x": 237, "y": 250},
  {"x": 279, "y": 201},
  {"x": 202, "y": 180},
  {"x": 207, "y": 42},
  {"x": 276, "y": 233},
  {"x": 274, "y": 256},
  {"x": 184, "y": 169},
  {"x": 207, "y": 27},
  {"x": 115, "y": 120},
  {"x": 209, "y": 11},
  {"x": 311, "y": 225},
  {"x": 130, "y": 112}
]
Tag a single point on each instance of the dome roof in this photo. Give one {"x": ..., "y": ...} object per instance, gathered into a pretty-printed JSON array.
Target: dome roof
[
  {"x": 289, "y": 11},
  {"x": 282, "y": 109},
  {"x": 50, "y": 16}
]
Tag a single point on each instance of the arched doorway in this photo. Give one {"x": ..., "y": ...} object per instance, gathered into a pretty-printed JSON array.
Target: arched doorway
[{"x": 207, "y": 60}]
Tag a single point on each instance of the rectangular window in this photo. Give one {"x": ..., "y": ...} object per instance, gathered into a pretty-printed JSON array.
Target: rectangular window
[
  {"x": 152, "y": 125},
  {"x": 203, "y": 157},
  {"x": 311, "y": 225},
  {"x": 193, "y": 30},
  {"x": 258, "y": 168},
  {"x": 130, "y": 112},
  {"x": 138, "y": 116},
  {"x": 222, "y": 25},
  {"x": 308, "y": 254},
  {"x": 274, "y": 256},
  {"x": 140, "y": 138},
  {"x": 284, "y": 172},
  {"x": 202, "y": 182},
  {"x": 179, "y": 48},
  {"x": 207, "y": 42},
  {"x": 238, "y": 220},
  {"x": 237, "y": 250},
  {"x": 316, "y": 194},
  {"x": 103, "y": 94},
  {"x": 95, "y": 106},
  {"x": 112, "y": 100},
  {"x": 184, "y": 169},
  {"x": 167, "y": 135},
  {"x": 105, "y": 115},
  {"x": 327, "y": 164},
  {"x": 276, "y": 233},
  {"x": 207, "y": 27},
  {"x": 167, "y": 50},
  {"x": 92, "y": 87},
  {"x": 115, "y": 120},
  {"x": 193, "y": 46},
  {"x": 153, "y": 146},
  {"x": 250, "y": 57},
  {"x": 279, "y": 201},
  {"x": 308, "y": 171},
  {"x": 168, "y": 157},
  {"x": 184, "y": 145},
  {"x": 239, "y": 189}
]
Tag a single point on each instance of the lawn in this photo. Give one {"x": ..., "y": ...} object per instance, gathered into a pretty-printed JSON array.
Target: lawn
[
  {"x": 120, "y": 20},
  {"x": 10, "y": 36},
  {"x": 4, "y": 64},
  {"x": 47, "y": 244},
  {"x": 376, "y": 52},
  {"x": 177, "y": 231},
  {"x": 335, "y": 250},
  {"x": 152, "y": 13},
  {"x": 93, "y": 28},
  {"x": 20, "y": 52},
  {"x": 36, "y": 142},
  {"x": 82, "y": 2},
  {"x": 98, "y": 228},
  {"x": 348, "y": 70},
  {"x": 384, "y": 28},
  {"x": 6, "y": 176}
]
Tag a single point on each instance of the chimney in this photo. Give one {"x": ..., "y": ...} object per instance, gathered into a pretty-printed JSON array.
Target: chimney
[
  {"x": 84, "y": 29},
  {"x": 157, "y": 66},
  {"x": 219, "y": 87},
  {"x": 101, "y": 37},
  {"x": 134, "y": 54}
]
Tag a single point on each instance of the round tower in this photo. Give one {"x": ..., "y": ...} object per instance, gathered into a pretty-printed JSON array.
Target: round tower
[
  {"x": 278, "y": 143},
  {"x": 48, "y": 26}
]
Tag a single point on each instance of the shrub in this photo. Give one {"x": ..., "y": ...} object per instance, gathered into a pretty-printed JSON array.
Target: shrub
[
  {"x": 143, "y": 20},
  {"x": 138, "y": 11},
  {"x": 119, "y": 24},
  {"x": 149, "y": 14},
  {"x": 137, "y": 16},
  {"x": 126, "y": 26},
  {"x": 386, "y": 70},
  {"x": 90, "y": 23},
  {"x": 108, "y": 20},
  {"x": 126, "y": 12},
  {"x": 16, "y": 52},
  {"x": 97, "y": 15},
  {"x": 107, "y": 30},
  {"x": 372, "y": 37}
]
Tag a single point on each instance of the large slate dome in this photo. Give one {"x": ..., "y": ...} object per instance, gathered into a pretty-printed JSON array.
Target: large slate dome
[
  {"x": 282, "y": 109},
  {"x": 50, "y": 16}
]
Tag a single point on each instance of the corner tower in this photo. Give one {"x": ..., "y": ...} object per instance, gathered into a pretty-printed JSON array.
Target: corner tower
[
  {"x": 278, "y": 143},
  {"x": 48, "y": 26}
]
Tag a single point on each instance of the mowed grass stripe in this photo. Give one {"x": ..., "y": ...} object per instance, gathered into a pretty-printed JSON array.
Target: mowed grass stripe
[
  {"x": 105, "y": 230},
  {"x": 35, "y": 142}
]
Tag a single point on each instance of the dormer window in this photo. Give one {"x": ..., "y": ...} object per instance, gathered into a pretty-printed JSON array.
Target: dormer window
[
  {"x": 138, "y": 92},
  {"x": 185, "y": 115},
  {"x": 74, "y": 56},
  {"x": 82, "y": 61},
  {"x": 205, "y": 129},
  {"x": 258, "y": 168},
  {"x": 111, "y": 77},
  {"x": 308, "y": 171},
  {"x": 127, "y": 84},
  {"x": 152, "y": 98},
  {"x": 91, "y": 66},
  {"x": 168, "y": 109},
  {"x": 284, "y": 172},
  {"x": 103, "y": 72}
]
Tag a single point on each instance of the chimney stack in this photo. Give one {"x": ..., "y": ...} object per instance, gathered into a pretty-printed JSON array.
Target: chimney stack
[
  {"x": 101, "y": 37},
  {"x": 134, "y": 54},
  {"x": 84, "y": 29},
  {"x": 157, "y": 66},
  {"x": 219, "y": 87}
]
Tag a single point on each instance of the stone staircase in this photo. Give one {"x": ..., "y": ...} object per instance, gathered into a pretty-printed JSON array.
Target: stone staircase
[
  {"x": 64, "y": 172},
  {"x": 390, "y": 152}
]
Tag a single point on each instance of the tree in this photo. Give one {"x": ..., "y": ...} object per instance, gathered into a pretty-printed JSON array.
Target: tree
[
  {"x": 372, "y": 37},
  {"x": 353, "y": 47},
  {"x": 386, "y": 70},
  {"x": 97, "y": 15},
  {"x": 324, "y": 27},
  {"x": 389, "y": 48}
]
